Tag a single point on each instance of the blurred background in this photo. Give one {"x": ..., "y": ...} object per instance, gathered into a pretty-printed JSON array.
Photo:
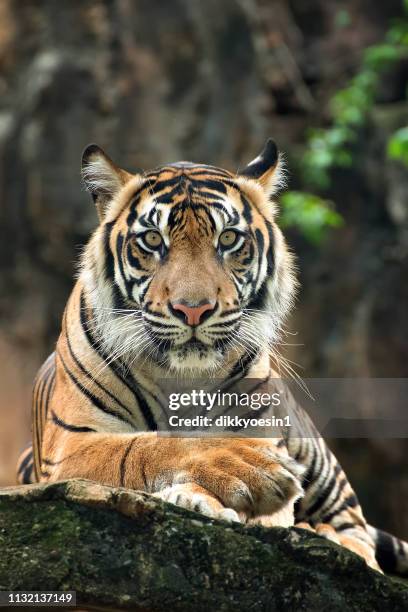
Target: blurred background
[{"x": 154, "y": 81}]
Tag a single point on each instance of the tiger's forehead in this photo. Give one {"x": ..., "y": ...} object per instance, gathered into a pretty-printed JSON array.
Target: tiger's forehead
[
  {"x": 171, "y": 194},
  {"x": 184, "y": 189}
]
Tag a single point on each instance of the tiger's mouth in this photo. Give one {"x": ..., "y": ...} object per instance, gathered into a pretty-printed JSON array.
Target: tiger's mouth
[{"x": 200, "y": 348}]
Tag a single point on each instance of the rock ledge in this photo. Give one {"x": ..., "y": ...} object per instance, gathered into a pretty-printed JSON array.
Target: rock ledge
[{"x": 122, "y": 549}]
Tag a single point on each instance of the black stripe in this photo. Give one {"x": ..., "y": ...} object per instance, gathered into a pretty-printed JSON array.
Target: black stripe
[
  {"x": 43, "y": 406},
  {"x": 168, "y": 197},
  {"x": 329, "y": 510},
  {"x": 261, "y": 245},
  {"x": 220, "y": 207},
  {"x": 299, "y": 451},
  {"x": 39, "y": 407},
  {"x": 123, "y": 462},
  {"x": 74, "y": 428},
  {"x": 26, "y": 479},
  {"x": 134, "y": 261},
  {"x": 247, "y": 212},
  {"x": 350, "y": 502},
  {"x": 243, "y": 365},
  {"x": 99, "y": 385},
  {"x": 118, "y": 299},
  {"x": 384, "y": 551},
  {"x": 344, "y": 526},
  {"x": 270, "y": 254},
  {"x": 209, "y": 196},
  {"x": 212, "y": 184},
  {"x": 258, "y": 301},
  {"x": 47, "y": 397},
  {"x": 322, "y": 497},
  {"x": 131, "y": 218},
  {"x": 308, "y": 475},
  {"x": 128, "y": 381},
  {"x": 119, "y": 250},
  {"x": 141, "y": 279},
  {"x": 92, "y": 398},
  {"x": 229, "y": 312},
  {"x": 223, "y": 324},
  {"x": 167, "y": 326},
  {"x": 159, "y": 186},
  {"x": 26, "y": 460}
]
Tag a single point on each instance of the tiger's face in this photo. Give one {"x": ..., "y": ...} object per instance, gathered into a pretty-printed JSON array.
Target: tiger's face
[{"x": 191, "y": 258}]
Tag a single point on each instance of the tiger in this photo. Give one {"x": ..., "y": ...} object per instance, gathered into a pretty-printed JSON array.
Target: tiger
[{"x": 187, "y": 274}]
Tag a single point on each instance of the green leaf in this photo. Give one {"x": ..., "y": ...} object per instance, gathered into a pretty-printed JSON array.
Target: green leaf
[
  {"x": 332, "y": 147},
  {"x": 397, "y": 147},
  {"x": 312, "y": 215},
  {"x": 381, "y": 56}
]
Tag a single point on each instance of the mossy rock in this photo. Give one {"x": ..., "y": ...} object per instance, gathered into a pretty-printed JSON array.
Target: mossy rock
[{"x": 122, "y": 549}]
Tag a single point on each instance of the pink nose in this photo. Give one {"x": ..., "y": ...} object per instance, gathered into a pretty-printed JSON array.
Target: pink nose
[{"x": 193, "y": 314}]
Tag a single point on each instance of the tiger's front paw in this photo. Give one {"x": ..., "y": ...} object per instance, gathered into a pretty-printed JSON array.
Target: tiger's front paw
[
  {"x": 193, "y": 497},
  {"x": 250, "y": 476}
]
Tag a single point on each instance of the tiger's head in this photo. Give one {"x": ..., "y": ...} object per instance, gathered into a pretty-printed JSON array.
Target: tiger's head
[{"x": 188, "y": 267}]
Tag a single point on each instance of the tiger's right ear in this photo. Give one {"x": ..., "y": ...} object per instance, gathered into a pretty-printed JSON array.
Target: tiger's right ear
[
  {"x": 267, "y": 169},
  {"x": 102, "y": 178}
]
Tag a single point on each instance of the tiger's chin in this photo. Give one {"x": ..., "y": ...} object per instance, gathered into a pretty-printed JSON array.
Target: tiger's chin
[{"x": 194, "y": 359}]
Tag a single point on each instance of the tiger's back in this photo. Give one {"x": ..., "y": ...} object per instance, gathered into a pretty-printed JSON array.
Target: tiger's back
[{"x": 29, "y": 465}]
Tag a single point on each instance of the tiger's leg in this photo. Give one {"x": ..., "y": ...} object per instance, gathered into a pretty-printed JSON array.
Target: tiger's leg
[
  {"x": 245, "y": 475},
  {"x": 329, "y": 503},
  {"x": 192, "y": 497},
  {"x": 391, "y": 552},
  {"x": 352, "y": 543}
]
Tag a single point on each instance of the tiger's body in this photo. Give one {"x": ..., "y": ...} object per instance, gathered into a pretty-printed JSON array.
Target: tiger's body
[{"x": 186, "y": 274}]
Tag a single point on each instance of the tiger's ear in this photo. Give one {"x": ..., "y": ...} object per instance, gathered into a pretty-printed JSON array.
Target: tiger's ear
[
  {"x": 102, "y": 178},
  {"x": 267, "y": 169}
]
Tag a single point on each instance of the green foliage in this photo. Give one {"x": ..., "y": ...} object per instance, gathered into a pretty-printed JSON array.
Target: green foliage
[
  {"x": 398, "y": 145},
  {"x": 332, "y": 147},
  {"x": 350, "y": 107},
  {"x": 310, "y": 213}
]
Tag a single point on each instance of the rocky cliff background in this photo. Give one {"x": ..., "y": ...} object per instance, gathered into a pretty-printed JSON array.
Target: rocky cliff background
[{"x": 156, "y": 81}]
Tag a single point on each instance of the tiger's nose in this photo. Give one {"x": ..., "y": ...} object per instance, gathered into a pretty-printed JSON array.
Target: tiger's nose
[{"x": 192, "y": 314}]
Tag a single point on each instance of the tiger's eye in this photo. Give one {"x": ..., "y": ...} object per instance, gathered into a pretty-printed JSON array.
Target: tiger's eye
[
  {"x": 228, "y": 238},
  {"x": 152, "y": 238}
]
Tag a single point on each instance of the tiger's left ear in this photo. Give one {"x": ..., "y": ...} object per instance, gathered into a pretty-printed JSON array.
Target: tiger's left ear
[{"x": 267, "y": 169}]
